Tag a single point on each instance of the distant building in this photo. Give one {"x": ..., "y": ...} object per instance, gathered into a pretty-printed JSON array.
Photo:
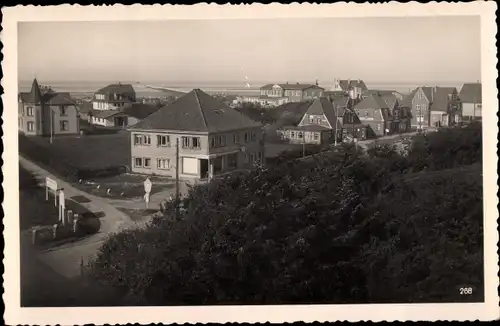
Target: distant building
[
  {"x": 213, "y": 139},
  {"x": 44, "y": 112},
  {"x": 354, "y": 88},
  {"x": 262, "y": 101},
  {"x": 122, "y": 118},
  {"x": 471, "y": 97},
  {"x": 294, "y": 92},
  {"x": 114, "y": 97}
]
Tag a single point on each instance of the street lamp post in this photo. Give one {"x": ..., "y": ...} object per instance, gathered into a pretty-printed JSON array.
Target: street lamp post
[{"x": 51, "y": 121}]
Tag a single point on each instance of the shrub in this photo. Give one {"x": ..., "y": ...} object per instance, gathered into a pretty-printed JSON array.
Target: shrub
[{"x": 363, "y": 228}]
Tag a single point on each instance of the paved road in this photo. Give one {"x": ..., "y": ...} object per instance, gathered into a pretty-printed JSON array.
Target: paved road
[{"x": 66, "y": 259}]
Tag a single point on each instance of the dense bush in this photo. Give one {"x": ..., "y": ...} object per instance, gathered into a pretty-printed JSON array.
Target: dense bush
[{"x": 361, "y": 229}]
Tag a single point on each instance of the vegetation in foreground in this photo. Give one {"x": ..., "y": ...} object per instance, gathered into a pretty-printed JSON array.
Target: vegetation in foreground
[{"x": 377, "y": 227}]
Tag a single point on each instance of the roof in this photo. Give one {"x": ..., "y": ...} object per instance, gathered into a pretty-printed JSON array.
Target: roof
[
  {"x": 140, "y": 110},
  {"x": 390, "y": 99},
  {"x": 59, "y": 98},
  {"x": 290, "y": 86},
  {"x": 117, "y": 89},
  {"x": 311, "y": 127},
  {"x": 378, "y": 91},
  {"x": 37, "y": 96},
  {"x": 196, "y": 111},
  {"x": 440, "y": 102},
  {"x": 104, "y": 114},
  {"x": 375, "y": 102},
  {"x": 341, "y": 101},
  {"x": 471, "y": 93},
  {"x": 346, "y": 84},
  {"x": 322, "y": 106},
  {"x": 428, "y": 92},
  {"x": 34, "y": 96},
  {"x": 85, "y": 107},
  {"x": 408, "y": 99}
]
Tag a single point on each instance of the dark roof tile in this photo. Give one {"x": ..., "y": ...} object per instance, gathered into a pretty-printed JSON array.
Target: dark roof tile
[
  {"x": 471, "y": 93},
  {"x": 196, "y": 112}
]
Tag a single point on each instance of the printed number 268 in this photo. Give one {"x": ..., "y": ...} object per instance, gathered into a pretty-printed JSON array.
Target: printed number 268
[{"x": 465, "y": 291}]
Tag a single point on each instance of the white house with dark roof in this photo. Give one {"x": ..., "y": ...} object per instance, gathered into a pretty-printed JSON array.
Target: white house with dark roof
[
  {"x": 125, "y": 117},
  {"x": 114, "y": 97},
  {"x": 213, "y": 139},
  {"x": 44, "y": 112},
  {"x": 471, "y": 97}
]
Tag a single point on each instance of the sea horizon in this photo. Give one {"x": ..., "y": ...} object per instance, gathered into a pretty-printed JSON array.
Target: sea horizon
[{"x": 229, "y": 87}]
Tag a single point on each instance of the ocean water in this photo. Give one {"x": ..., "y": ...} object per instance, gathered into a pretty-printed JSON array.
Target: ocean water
[{"x": 235, "y": 88}]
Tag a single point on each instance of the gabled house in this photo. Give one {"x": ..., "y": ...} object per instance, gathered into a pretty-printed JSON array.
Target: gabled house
[
  {"x": 446, "y": 108},
  {"x": 321, "y": 124},
  {"x": 114, "y": 97},
  {"x": 44, "y": 112},
  {"x": 124, "y": 117},
  {"x": 213, "y": 139},
  {"x": 471, "y": 97},
  {"x": 352, "y": 126},
  {"x": 355, "y": 88},
  {"x": 401, "y": 114},
  {"x": 374, "y": 112},
  {"x": 434, "y": 106}
]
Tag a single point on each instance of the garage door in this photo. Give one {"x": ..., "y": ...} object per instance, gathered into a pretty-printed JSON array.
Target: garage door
[{"x": 189, "y": 165}]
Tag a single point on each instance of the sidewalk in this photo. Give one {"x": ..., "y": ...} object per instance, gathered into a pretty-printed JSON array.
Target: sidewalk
[{"x": 66, "y": 259}]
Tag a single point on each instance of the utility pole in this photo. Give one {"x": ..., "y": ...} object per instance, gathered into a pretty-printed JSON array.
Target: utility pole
[
  {"x": 51, "y": 121},
  {"x": 177, "y": 178},
  {"x": 336, "y": 122},
  {"x": 304, "y": 144}
]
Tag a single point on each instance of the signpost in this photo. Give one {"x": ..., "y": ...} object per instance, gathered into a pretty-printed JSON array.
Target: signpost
[
  {"x": 147, "y": 189},
  {"x": 52, "y": 185},
  {"x": 62, "y": 206}
]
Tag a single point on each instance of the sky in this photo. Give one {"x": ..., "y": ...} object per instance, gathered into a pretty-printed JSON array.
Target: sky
[{"x": 413, "y": 49}]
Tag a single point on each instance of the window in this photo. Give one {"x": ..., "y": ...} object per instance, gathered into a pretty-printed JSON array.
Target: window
[
  {"x": 163, "y": 140},
  {"x": 191, "y": 142},
  {"x": 300, "y": 134},
  {"x": 147, "y": 162},
  {"x": 252, "y": 157},
  {"x": 246, "y": 137},
  {"x": 236, "y": 138},
  {"x": 142, "y": 139},
  {"x": 138, "y": 162},
  {"x": 253, "y": 136},
  {"x": 378, "y": 127},
  {"x": 31, "y": 126},
  {"x": 311, "y": 119},
  {"x": 63, "y": 111},
  {"x": 29, "y": 111},
  {"x": 63, "y": 125},
  {"x": 316, "y": 136}
]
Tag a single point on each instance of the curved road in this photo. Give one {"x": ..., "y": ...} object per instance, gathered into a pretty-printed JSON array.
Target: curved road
[{"x": 66, "y": 259}]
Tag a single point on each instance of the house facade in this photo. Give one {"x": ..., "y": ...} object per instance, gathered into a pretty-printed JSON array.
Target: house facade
[
  {"x": 293, "y": 92},
  {"x": 446, "y": 108},
  {"x": 114, "y": 97},
  {"x": 321, "y": 124},
  {"x": 44, "y": 112},
  {"x": 471, "y": 97},
  {"x": 374, "y": 112},
  {"x": 213, "y": 139}
]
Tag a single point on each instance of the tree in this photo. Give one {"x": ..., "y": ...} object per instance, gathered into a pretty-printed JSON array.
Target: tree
[{"x": 335, "y": 228}]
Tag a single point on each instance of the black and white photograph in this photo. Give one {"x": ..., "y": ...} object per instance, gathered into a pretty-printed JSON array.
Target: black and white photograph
[{"x": 252, "y": 161}]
